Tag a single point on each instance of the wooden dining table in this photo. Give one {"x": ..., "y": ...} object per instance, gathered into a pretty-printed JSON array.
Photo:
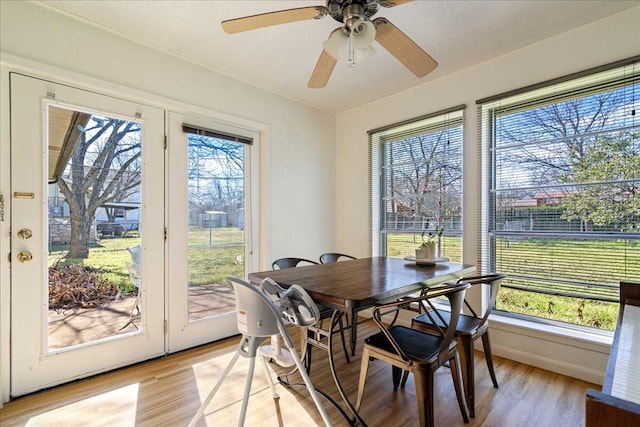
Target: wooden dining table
[{"x": 363, "y": 282}]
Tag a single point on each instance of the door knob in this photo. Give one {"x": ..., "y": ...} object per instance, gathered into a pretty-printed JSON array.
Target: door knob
[
  {"x": 25, "y": 234},
  {"x": 25, "y": 257}
]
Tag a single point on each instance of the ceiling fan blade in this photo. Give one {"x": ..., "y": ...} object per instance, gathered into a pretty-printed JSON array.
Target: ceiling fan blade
[
  {"x": 321, "y": 74},
  {"x": 403, "y": 48},
  {"x": 392, "y": 3},
  {"x": 254, "y": 22}
]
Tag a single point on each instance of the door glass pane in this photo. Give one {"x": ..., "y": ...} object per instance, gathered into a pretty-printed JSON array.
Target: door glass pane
[
  {"x": 216, "y": 236},
  {"x": 94, "y": 199}
]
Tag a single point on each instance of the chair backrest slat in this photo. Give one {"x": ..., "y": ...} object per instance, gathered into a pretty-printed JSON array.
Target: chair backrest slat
[
  {"x": 333, "y": 257},
  {"x": 493, "y": 281},
  {"x": 290, "y": 262},
  {"x": 453, "y": 292}
]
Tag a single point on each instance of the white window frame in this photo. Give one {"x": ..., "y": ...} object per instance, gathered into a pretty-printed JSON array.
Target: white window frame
[{"x": 450, "y": 118}]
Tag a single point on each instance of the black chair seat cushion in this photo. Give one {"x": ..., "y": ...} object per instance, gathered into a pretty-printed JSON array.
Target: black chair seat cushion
[
  {"x": 325, "y": 312},
  {"x": 466, "y": 324},
  {"x": 419, "y": 346}
]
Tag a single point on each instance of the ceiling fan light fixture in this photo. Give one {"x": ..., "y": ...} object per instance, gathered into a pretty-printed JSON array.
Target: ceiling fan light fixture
[
  {"x": 364, "y": 33},
  {"x": 336, "y": 43}
]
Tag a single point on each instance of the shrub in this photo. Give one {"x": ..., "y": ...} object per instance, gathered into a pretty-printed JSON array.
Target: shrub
[{"x": 78, "y": 286}]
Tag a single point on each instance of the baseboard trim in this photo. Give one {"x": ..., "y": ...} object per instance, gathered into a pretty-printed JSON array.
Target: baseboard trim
[{"x": 573, "y": 370}]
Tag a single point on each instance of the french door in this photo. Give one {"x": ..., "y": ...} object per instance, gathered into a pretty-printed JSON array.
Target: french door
[
  {"x": 120, "y": 236},
  {"x": 213, "y": 167},
  {"x": 61, "y": 308}
]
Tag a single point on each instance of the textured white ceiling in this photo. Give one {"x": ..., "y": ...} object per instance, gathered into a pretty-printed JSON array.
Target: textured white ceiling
[{"x": 280, "y": 59}]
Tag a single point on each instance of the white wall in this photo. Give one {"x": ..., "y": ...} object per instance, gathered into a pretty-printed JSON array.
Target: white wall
[
  {"x": 614, "y": 38},
  {"x": 297, "y": 142}
]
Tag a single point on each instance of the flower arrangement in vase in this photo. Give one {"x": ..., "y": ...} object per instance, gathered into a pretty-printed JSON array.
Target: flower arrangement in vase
[{"x": 427, "y": 249}]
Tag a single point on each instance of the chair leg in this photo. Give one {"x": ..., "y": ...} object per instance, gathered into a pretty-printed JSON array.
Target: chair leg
[
  {"x": 364, "y": 367},
  {"x": 456, "y": 375},
  {"x": 274, "y": 393},
  {"x": 315, "y": 396},
  {"x": 424, "y": 393},
  {"x": 468, "y": 375},
  {"x": 135, "y": 308},
  {"x": 316, "y": 337},
  {"x": 405, "y": 377},
  {"x": 397, "y": 374},
  {"x": 304, "y": 346},
  {"x": 344, "y": 342},
  {"x": 307, "y": 358},
  {"x": 247, "y": 391},
  {"x": 353, "y": 330},
  {"x": 487, "y": 355}
]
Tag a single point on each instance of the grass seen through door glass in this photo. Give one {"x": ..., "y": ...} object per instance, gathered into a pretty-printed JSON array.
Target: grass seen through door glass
[{"x": 212, "y": 256}]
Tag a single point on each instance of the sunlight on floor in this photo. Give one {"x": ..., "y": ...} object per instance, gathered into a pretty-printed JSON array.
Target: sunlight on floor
[
  {"x": 226, "y": 404},
  {"x": 122, "y": 401}
]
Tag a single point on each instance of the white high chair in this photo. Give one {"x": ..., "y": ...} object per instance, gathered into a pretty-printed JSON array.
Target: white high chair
[{"x": 263, "y": 312}]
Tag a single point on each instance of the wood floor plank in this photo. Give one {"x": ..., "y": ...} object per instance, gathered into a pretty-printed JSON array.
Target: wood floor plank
[{"x": 168, "y": 391}]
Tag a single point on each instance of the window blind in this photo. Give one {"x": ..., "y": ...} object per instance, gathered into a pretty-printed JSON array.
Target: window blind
[
  {"x": 416, "y": 183},
  {"x": 561, "y": 183},
  {"x": 199, "y": 130}
]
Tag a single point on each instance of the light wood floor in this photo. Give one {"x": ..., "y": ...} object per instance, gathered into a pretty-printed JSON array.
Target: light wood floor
[{"x": 168, "y": 391}]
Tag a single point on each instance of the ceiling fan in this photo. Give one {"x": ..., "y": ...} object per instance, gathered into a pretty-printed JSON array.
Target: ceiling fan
[{"x": 356, "y": 34}]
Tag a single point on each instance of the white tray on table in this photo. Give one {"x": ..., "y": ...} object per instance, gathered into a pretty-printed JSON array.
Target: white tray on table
[{"x": 426, "y": 261}]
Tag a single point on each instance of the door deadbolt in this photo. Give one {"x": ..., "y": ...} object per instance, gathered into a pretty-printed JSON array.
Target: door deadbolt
[
  {"x": 25, "y": 257},
  {"x": 25, "y": 234}
]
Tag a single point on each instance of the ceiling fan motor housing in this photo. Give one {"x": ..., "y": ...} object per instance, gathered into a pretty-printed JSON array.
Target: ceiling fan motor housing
[{"x": 343, "y": 10}]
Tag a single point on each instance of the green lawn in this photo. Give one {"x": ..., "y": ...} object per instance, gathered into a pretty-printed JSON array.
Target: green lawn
[
  {"x": 401, "y": 245},
  {"x": 109, "y": 255},
  {"x": 581, "y": 261},
  {"x": 208, "y": 262}
]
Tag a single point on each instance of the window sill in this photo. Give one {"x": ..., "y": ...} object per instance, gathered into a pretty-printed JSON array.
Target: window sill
[{"x": 581, "y": 338}]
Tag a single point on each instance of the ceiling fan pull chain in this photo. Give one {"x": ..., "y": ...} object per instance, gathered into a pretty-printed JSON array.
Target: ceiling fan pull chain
[{"x": 352, "y": 57}]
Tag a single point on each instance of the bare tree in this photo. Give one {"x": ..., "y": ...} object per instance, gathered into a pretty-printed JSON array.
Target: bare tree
[
  {"x": 216, "y": 172},
  {"x": 551, "y": 139},
  {"x": 563, "y": 143},
  {"x": 104, "y": 167},
  {"x": 425, "y": 179}
]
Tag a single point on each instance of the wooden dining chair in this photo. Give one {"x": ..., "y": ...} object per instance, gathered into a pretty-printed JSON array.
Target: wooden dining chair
[
  {"x": 421, "y": 353},
  {"x": 316, "y": 336},
  {"x": 352, "y": 318},
  {"x": 470, "y": 328}
]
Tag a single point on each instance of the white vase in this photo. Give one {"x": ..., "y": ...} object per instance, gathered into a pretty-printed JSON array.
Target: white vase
[{"x": 426, "y": 252}]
